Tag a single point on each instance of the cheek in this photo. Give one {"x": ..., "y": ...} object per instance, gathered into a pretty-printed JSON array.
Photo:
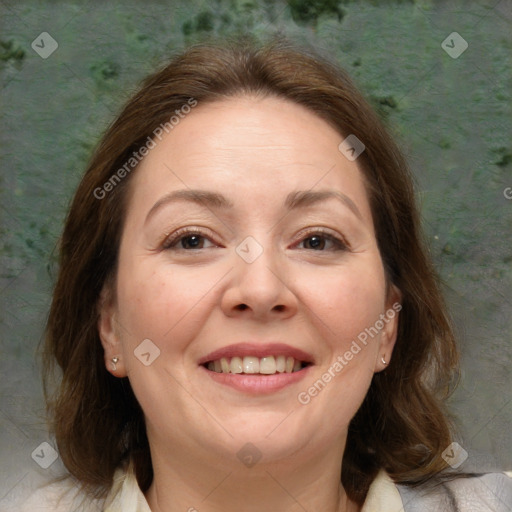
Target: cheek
[
  {"x": 162, "y": 305},
  {"x": 169, "y": 309},
  {"x": 345, "y": 301}
]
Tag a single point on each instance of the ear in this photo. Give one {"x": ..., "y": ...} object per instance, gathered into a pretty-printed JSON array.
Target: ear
[
  {"x": 390, "y": 329},
  {"x": 109, "y": 333}
]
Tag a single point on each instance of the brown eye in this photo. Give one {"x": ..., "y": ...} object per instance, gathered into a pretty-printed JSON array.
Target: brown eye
[
  {"x": 321, "y": 242},
  {"x": 187, "y": 241},
  {"x": 191, "y": 242},
  {"x": 315, "y": 242}
]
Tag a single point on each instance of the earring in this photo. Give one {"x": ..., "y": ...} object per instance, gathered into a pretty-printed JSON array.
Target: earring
[
  {"x": 114, "y": 363},
  {"x": 383, "y": 360}
]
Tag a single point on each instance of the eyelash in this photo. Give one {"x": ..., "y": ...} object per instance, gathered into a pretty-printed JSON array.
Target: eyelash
[
  {"x": 338, "y": 243},
  {"x": 181, "y": 234}
]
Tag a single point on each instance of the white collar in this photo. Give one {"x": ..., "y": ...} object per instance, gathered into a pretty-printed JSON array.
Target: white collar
[{"x": 383, "y": 495}]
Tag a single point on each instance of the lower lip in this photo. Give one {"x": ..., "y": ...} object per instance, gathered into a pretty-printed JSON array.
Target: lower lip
[{"x": 257, "y": 384}]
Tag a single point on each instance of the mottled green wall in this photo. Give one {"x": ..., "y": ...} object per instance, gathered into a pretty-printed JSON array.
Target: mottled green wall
[{"x": 451, "y": 115}]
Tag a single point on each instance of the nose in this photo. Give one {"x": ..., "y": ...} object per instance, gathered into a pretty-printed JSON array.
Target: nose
[{"x": 260, "y": 290}]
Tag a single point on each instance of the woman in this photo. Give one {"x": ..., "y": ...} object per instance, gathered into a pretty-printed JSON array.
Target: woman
[{"x": 245, "y": 316}]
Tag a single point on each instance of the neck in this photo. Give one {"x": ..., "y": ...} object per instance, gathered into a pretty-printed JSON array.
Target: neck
[{"x": 208, "y": 484}]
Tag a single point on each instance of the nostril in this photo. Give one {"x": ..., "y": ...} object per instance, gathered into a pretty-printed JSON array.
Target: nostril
[
  {"x": 279, "y": 308},
  {"x": 241, "y": 307}
]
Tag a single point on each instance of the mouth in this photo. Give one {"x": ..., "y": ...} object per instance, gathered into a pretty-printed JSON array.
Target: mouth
[
  {"x": 256, "y": 368},
  {"x": 252, "y": 365}
]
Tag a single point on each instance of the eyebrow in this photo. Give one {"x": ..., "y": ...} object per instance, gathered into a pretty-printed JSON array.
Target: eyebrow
[
  {"x": 201, "y": 197},
  {"x": 294, "y": 200},
  {"x": 303, "y": 198}
]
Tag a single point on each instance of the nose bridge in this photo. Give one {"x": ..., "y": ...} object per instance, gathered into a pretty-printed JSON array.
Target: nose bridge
[
  {"x": 256, "y": 261},
  {"x": 260, "y": 283}
]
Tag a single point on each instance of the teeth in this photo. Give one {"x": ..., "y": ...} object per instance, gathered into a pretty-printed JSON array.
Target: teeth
[
  {"x": 235, "y": 366},
  {"x": 251, "y": 365},
  {"x": 268, "y": 365},
  {"x": 224, "y": 364}
]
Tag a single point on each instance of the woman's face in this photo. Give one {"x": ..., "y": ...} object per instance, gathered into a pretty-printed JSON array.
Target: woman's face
[{"x": 249, "y": 244}]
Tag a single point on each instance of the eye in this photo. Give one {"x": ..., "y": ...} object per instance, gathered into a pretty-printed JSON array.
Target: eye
[
  {"x": 321, "y": 241},
  {"x": 187, "y": 239}
]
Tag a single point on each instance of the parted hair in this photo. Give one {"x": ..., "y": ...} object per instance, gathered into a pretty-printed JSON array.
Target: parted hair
[{"x": 402, "y": 425}]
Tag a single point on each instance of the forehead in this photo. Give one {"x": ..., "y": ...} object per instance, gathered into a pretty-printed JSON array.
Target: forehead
[{"x": 250, "y": 148}]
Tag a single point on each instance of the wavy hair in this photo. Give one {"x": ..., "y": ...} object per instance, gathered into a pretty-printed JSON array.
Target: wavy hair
[{"x": 401, "y": 426}]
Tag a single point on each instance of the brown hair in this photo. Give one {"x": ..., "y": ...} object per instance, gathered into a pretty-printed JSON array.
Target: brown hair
[{"x": 98, "y": 423}]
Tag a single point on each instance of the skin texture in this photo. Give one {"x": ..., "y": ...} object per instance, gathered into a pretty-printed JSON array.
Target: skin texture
[{"x": 309, "y": 293}]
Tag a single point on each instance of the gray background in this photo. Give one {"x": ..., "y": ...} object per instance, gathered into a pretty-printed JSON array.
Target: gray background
[{"x": 452, "y": 117}]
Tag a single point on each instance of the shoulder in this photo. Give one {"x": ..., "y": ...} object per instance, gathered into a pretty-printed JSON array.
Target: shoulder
[
  {"x": 56, "y": 496},
  {"x": 486, "y": 492},
  {"x": 64, "y": 495}
]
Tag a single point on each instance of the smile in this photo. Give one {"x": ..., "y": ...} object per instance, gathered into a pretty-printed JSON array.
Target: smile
[
  {"x": 257, "y": 367},
  {"x": 268, "y": 365}
]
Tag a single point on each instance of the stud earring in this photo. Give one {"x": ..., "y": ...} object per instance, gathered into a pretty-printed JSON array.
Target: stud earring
[
  {"x": 383, "y": 360},
  {"x": 114, "y": 363}
]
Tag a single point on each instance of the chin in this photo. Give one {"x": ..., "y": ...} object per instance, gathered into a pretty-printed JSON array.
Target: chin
[{"x": 270, "y": 436}]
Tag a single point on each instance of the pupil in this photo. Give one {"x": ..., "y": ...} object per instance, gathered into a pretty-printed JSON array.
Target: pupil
[
  {"x": 192, "y": 241},
  {"x": 315, "y": 242}
]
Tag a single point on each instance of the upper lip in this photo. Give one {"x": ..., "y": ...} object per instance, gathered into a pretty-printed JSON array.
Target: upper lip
[{"x": 259, "y": 350}]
